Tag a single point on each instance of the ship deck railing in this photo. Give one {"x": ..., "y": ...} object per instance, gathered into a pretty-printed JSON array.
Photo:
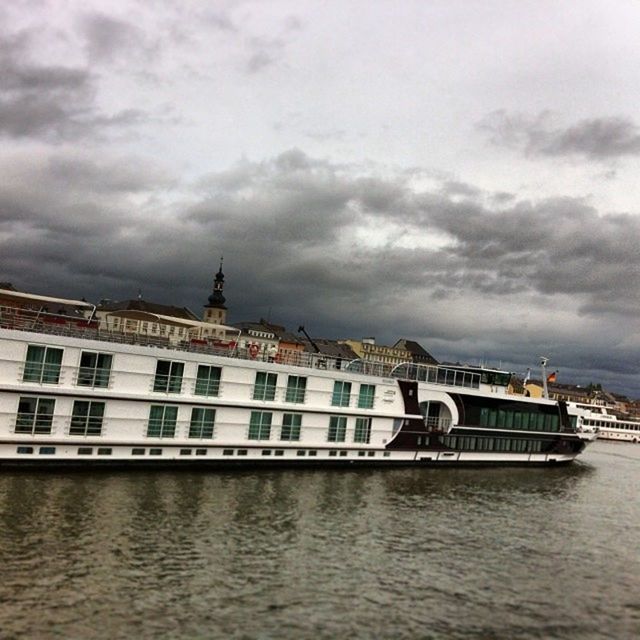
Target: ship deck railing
[{"x": 78, "y": 327}]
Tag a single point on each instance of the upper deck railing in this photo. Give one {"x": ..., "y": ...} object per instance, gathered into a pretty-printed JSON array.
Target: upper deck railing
[{"x": 78, "y": 327}]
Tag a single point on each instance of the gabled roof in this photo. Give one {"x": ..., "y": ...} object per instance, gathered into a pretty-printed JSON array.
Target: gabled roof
[
  {"x": 149, "y": 307},
  {"x": 415, "y": 349},
  {"x": 331, "y": 348}
]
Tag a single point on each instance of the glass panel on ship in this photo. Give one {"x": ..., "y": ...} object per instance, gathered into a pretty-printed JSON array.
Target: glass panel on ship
[{"x": 494, "y": 424}]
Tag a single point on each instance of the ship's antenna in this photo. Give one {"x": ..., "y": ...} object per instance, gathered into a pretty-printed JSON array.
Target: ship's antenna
[{"x": 543, "y": 365}]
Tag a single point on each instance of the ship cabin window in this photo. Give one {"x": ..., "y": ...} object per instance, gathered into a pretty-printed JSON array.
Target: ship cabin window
[
  {"x": 301, "y": 453},
  {"x": 42, "y": 365},
  {"x": 162, "y": 421},
  {"x": 47, "y": 451},
  {"x": 227, "y": 452},
  {"x": 201, "y": 452},
  {"x": 24, "y": 450},
  {"x": 265, "y": 386},
  {"x": 138, "y": 451},
  {"x": 337, "y": 429},
  {"x": 207, "y": 381},
  {"x": 155, "y": 452},
  {"x": 105, "y": 451},
  {"x": 85, "y": 451},
  {"x": 291, "y": 423},
  {"x": 519, "y": 418},
  {"x": 86, "y": 418},
  {"x": 296, "y": 388},
  {"x": 260, "y": 425},
  {"x": 35, "y": 415},
  {"x": 362, "y": 432},
  {"x": 202, "y": 420},
  {"x": 168, "y": 378},
  {"x": 95, "y": 369},
  {"x": 366, "y": 396},
  {"x": 341, "y": 394}
]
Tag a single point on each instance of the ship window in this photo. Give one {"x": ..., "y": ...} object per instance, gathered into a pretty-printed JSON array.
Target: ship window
[
  {"x": 186, "y": 452},
  {"x": 366, "y": 396},
  {"x": 337, "y": 428},
  {"x": 86, "y": 418},
  {"x": 291, "y": 423},
  {"x": 201, "y": 452},
  {"x": 301, "y": 453},
  {"x": 343, "y": 454},
  {"x": 168, "y": 377},
  {"x": 279, "y": 452},
  {"x": 95, "y": 369},
  {"x": 202, "y": 420},
  {"x": 313, "y": 452},
  {"x": 42, "y": 365},
  {"x": 47, "y": 451},
  {"x": 265, "y": 386},
  {"x": 362, "y": 432},
  {"x": 296, "y": 387},
  {"x": 227, "y": 452},
  {"x": 24, "y": 450},
  {"x": 333, "y": 453},
  {"x": 137, "y": 452},
  {"x": 260, "y": 425},
  {"x": 155, "y": 452},
  {"x": 242, "y": 452},
  {"x": 371, "y": 454},
  {"x": 341, "y": 394},
  {"x": 266, "y": 452},
  {"x": 104, "y": 451},
  {"x": 361, "y": 454},
  {"x": 387, "y": 454},
  {"x": 208, "y": 381},
  {"x": 162, "y": 421},
  {"x": 85, "y": 451},
  {"x": 35, "y": 415}
]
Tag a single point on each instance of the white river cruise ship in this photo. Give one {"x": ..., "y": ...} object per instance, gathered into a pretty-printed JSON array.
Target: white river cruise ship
[{"x": 75, "y": 394}]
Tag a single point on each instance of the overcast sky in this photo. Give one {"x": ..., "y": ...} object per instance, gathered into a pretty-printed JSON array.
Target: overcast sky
[{"x": 457, "y": 172}]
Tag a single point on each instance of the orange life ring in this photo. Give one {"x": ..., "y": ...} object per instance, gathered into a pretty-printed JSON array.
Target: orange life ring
[{"x": 253, "y": 350}]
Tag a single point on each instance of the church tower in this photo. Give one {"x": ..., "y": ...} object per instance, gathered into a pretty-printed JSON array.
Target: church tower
[{"x": 215, "y": 312}]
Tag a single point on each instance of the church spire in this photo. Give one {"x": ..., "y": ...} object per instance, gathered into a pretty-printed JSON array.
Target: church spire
[{"x": 217, "y": 299}]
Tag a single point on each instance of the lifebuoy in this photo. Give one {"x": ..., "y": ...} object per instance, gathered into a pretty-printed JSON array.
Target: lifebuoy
[{"x": 253, "y": 350}]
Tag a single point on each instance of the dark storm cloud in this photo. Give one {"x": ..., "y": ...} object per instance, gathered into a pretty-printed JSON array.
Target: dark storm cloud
[
  {"x": 50, "y": 101},
  {"x": 595, "y": 139},
  {"x": 306, "y": 241}
]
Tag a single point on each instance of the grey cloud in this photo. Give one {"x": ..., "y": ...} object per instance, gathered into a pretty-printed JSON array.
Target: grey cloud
[
  {"x": 597, "y": 139},
  {"x": 108, "y": 38},
  {"x": 49, "y": 101}
]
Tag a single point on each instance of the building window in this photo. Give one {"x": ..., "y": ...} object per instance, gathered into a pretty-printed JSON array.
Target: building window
[
  {"x": 365, "y": 399},
  {"x": 95, "y": 369},
  {"x": 265, "y": 386},
  {"x": 202, "y": 420},
  {"x": 162, "y": 421},
  {"x": 35, "y": 415},
  {"x": 341, "y": 394},
  {"x": 168, "y": 376},
  {"x": 337, "y": 428},
  {"x": 291, "y": 423},
  {"x": 296, "y": 387},
  {"x": 42, "y": 365},
  {"x": 208, "y": 380},
  {"x": 260, "y": 425},
  {"x": 362, "y": 432},
  {"x": 86, "y": 418}
]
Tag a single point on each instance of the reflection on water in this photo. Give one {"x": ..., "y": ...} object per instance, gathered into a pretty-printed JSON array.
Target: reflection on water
[{"x": 408, "y": 553}]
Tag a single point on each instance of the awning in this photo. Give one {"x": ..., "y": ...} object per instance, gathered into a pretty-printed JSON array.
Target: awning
[{"x": 18, "y": 296}]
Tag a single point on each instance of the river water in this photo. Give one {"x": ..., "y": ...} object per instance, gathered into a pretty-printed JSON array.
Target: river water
[{"x": 407, "y": 553}]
